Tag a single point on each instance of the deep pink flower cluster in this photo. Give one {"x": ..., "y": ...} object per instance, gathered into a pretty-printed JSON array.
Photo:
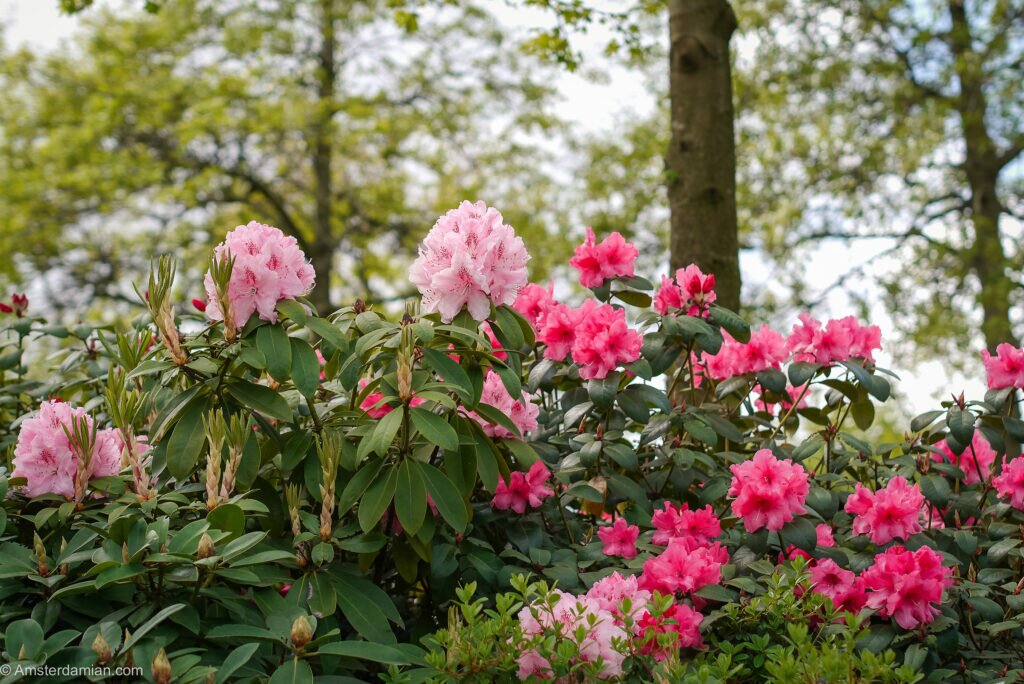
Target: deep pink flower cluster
[
  {"x": 269, "y": 267},
  {"x": 906, "y": 585},
  {"x": 690, "y": 292},
  {"x": 522, "y": 412},
  {"x": 1010, "y": 483},
  {"x": 842, "y": 586},
  {"x": 613, "y": 257},
  {"x": 769, "y": 492},
  {"x": 597, "y": 335},
  {"x": 686, "y": 565},
  {"x": 619, "y": 539},
  {"x": 837, "y": 340},
  {"x": 680, "y": 620},
  {"x": 893, "y": 512},
  {"x": 373, "y": 403},
  {"x": 534, "y": 302},
  {"x": 766, "y": 349},
  {"x": 43, "y": 454},
  {"x": 675, "y": 522},
  {"x": 523, "y": 490},
  {"x": 1006, "y": 368},
  {"x": 975, "y": 459},
  {"x": 470, "y": 258}
]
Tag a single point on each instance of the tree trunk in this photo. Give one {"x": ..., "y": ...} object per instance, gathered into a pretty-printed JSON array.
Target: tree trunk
[
  {"x": 982, "y": 166},
  {"x": 701, "y": 157},
  {"x": 324, "y": 242}
]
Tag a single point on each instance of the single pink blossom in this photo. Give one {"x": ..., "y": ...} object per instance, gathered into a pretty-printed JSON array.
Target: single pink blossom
[
  {"x": 768, "y": 492},
  {"x": 1010, "y": 483},
  {"x": 842, "y": 586},
  {"x": 612, "y": 258},
  {"x": 534, "y": 302},
  {"x": 690, "y": 292},
  {"x": 523, "y": 490},
  {"x": 619, "y": 539},
  {"x": 766, "y": 349},
  {"x": 680, "y": 620},
  {"x": 1006, "y": 368}
]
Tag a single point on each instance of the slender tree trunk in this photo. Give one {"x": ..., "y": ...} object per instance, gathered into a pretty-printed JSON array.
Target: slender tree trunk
[
  {"x": 982, "y": 166},
  {"x": 324, "y": 242},
  {"x": 701, "y": 158}
]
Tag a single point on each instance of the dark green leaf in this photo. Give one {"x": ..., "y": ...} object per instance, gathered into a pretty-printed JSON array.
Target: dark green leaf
[{"x": 272, "y": 341}]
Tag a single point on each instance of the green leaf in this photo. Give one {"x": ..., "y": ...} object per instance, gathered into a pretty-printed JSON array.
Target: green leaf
[
  {"x": 924, "y": 420},
  {"x": 410, "y": 497},
  {"x": 730, "y": 321},
  {"x": 260, "y": 398},
  {"x": 365, "y": 606},
  {"x": 435, "y": 429},
  {"x": 446, "y": 496},
  {"x": 82, "y": 539},
  {"x": 507, "y": 329},
  {"x": 172, "y": 412},
  {"x": 272, "y": 341},
  {"x": 602, "y": 390},
  {"x": 384, "y": 433},
  {"x": 936, "y": 490},
  {"x": 378, "y": 653},
  {"x": 513, "y": 383},
  {"x": 358, "y": 484},
  {"x": 236, "y": 659},
  {"x": 186, "y": 442},
  {"x": 801, "y": 533},
  {"x": 293, "y": 671},
  {"x": 149, "y": 624},
  {"x": 228, "y": 518},
  {"x": 305, "y": 367},
  {"x": 327, "y": 331},
  {"x": 863, "y": 413},
  {"x": 495, "y": 417},
  {"x": 24, "y": 635},
  {"x": 452, "y": 373},
  {"x": 716, "y": 592},
  {"x": 961, "y": 424},
  {"x": 292, "y": 310},
  {"x": 377, "y": 498}
]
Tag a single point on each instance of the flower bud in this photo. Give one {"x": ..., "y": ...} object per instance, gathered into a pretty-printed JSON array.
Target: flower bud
[
  {"x": 206, "y": 547},
  {"x": 40, "y": 550},
  {"x": 162, "y": 672},
  {"x": 19, "y": 302},
  {"x": 101, "y": 648},
  {"x": 302, "y": 632}
]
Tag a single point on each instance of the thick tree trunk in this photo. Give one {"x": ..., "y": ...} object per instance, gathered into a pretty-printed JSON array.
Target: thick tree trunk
[
  {"x": 982, "y": 166},
  {"x": 324, "y": 242},
  {"x": 701, "y": 158}
]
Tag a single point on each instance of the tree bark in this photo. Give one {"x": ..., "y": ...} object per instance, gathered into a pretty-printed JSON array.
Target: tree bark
[
  {"x": 701, "y": 158},
  {"x": 324, "y": 243},
  {"x": 982, "y": 165}
]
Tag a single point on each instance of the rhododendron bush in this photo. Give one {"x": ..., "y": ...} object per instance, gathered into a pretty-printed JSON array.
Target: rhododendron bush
[{"x": 624, "y": 483}]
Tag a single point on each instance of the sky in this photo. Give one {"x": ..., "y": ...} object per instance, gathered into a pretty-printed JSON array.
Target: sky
[{"x": 595, "y": 106}]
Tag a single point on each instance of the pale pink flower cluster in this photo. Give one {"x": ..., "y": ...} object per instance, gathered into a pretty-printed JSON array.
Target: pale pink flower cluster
[
  {"x": 613, "y": 257},
  {"x": 675, "y": 522},
  {"x": 597, "y": 335},
  {"x": 686, "y": 565},
  {"x": 619, "y": 539},
  {"x": 1010, "y": 483},
  {"x": 44, "y": 457},
  {"x": 907, "y": 586},
  {"x": 769, "y": 492},
  {"x": 838, "y": 340},
  {"x": 522, "y": 411},
  {"x": 842, "y": 586},
  {"x": 691, "y": 292},
  {"x": 269, "y": 267},
  {"x": 766, "y": 349},
  {"x": 522, "y": 491},
  {"x": 893, "y": 512},
  {"x": 599, "y": 616},
  {"x": 1006, "y": 368},
  {"x": 975, "y": 459},
  {"x": 470, "y": 258}
]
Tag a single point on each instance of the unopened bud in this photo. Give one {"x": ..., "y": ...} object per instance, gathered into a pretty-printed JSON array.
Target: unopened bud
[
  {"x": 302, "y": 632},
  {"x": 41, "y": 565},
  {"x": 126, "y": 557},
  {"x": 162, "y": 671},
  {"x": 101, "y": 648},
  {"x": 206, "y": 547}
]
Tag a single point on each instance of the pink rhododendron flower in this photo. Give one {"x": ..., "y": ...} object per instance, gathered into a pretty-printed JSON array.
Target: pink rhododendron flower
[
  {"x": 842, "y": 586},
  {"x": 680, "y": 620},
  {"x": 823, "y": 538},
  {"x": 619, "y": 539},
  {"x": 1010, "y": 483},
  {"x": 893, "y": 512},
  {"x": 1006, "y": 368},
  {"x": 907, "y": 586},
  {"x": 766, "y": 349},
  {"x": 673, "y": 522},
  {"x": 470, "y": 258},
  {"x": 269, "y": 267},
  {"x": 975, "y": 459},
  {"x": 604, "y": 341},
  {"x": 684, "y": 566},
  {"x": 838, "y": 340},
  {"x": 533, "y": 664},
  {"x": 534, "y": 302},
  {"x": 613, "y": 590},
  {"x": 372, "y": 402},
  {"x": 612, "y": 258},
  {"x": 43, "y": 454},
  {"x": 522, "y": 412},
  {"x": 557, "y": 330},
  {"x": 691, "y": 291},
  {"x": 769, "y": 492},
  {"x": 523, "y": 490}
]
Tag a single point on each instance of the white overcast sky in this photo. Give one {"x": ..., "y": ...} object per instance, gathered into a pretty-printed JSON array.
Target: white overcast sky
[{"x": 595, "y": 107}]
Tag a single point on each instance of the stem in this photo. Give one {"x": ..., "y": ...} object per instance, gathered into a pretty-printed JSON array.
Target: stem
[{"x": 792, "y": 407}]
